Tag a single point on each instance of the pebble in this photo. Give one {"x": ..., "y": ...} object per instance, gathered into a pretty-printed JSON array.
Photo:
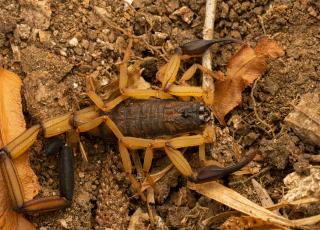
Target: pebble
[
  {"x": 22, "y": 31},
  {"x": 312, "y": 12},
  {"x": 250, "y": 138},
  {"x": 81, "y": 174},
  {"x": 16, "y": 53},
  {"x": 73, "y": 42},
  {"x": 63, "y": 53},
  {"x": 44, "y": 36},
  {"x": 63, "y": 223},
  {"x": 232, "y": 15},
  {"x": 224, "y": 10},
  {"x": 185, "y": 13},
  {"x": 85, "y": 44}
]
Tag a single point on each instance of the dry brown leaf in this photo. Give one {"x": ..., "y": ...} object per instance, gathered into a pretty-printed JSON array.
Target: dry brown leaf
[
  {"x": 243, "y": 68},
  {"x": 11, "y": 125},
  {"x": 232, "y": 199}
]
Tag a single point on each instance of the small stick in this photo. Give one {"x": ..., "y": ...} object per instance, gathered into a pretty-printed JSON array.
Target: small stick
[{"x": 207, "y": 81}]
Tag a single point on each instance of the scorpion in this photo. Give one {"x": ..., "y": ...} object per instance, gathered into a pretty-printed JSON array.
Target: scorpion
[{"x": 139, "y": 118}]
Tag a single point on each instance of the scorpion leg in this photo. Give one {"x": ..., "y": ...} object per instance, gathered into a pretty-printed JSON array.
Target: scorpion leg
[
  {"x": 171, "y": 147},
  {"x": 125, "y": 156},
  {"x": 20, "y": 144},
  {"x": 16, "y": 194},
  {"x": 10, "y": 176},
  {"x": 66, "y": 171},
  {"x": 147, "y": 160}
]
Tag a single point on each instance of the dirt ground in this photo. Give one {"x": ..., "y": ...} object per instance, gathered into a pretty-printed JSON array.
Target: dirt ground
[{"x": 53, "y": 45}]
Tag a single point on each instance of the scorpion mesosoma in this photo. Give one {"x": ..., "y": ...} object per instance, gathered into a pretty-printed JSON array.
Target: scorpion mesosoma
[{"x": 136, "y": 122}]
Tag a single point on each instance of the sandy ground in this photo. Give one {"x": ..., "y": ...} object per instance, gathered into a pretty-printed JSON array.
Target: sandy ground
[{"x": 53, "y": 45}]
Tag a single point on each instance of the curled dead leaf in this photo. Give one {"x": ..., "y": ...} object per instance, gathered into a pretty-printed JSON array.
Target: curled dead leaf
[
  {"x": 11, "y": 125},
  {"x": 243, "y": 68}
]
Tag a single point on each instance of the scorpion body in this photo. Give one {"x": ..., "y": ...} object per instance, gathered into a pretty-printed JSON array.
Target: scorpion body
[
  {"x": 137, "y": 121},
  {"x": 157, "y": 118}
]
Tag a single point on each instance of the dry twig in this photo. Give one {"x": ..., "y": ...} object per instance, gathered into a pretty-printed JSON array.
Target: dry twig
[{"x": 207, "y": 81}]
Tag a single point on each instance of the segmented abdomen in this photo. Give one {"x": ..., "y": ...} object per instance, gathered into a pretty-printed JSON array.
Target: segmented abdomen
[{"x": 154, "y": 118}]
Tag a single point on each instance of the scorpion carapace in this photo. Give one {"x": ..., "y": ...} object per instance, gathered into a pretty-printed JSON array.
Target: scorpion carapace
[
  {"x": 137, "y": 120},
  {"x": 157, "y": 118}
]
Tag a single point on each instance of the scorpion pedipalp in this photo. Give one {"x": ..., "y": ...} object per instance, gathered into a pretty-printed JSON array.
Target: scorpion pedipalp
[
  {"x": 198, "y": 47},
  {"x": 11, "y": 178},
  {"x": 213, "y": 172},
  {"x": 66, "y": 172}
]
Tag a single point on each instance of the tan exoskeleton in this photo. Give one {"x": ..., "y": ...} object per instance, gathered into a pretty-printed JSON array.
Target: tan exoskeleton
[{"x": 137, "y": 121}]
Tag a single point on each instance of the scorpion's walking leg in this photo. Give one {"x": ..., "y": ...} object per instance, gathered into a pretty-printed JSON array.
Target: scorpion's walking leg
[
  {"x": 171, "y": 147},
  {"x": 123, "y": 81},
  {"x": 125, "y": 156},
  {"x": 85, "y": 119},
  {"x": 16, "y": 194}
]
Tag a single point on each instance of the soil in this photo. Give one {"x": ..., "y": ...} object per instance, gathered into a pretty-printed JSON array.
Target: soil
[{"x": 53, "y": 45}]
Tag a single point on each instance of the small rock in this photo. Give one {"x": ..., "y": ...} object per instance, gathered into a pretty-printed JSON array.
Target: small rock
[
  {"x": 235, "y": 34},
  {"x": 81, "y": 174},
  {"x": 86, "y": 3},
  {"x": 63, "y": 223},
  {"x": 36, "y": 13},
  {"x": 73, "y": 42},
  {"x": 302, "y": 167},
  {"x": 83, "y": 198},
  {"x": 258, "y": 10},
  {"x": 185, "y": 13},
  {"x": 302, "y": 186},
  {"x": 224, "y": 10},
  {"x": 85, "y": 44},
  {"x": 63, "y": 53},
  {"x": 270, "y": 86},
  {"x": 232, "y": 15},
  {"x": 16, "y": 53},
  {"x": 92, "y": 35},
  {"x": 44, "y": 36},
  {"x": 172, "y": 5},
  {"x": 101, "y": 12},
  {"x": 159, "y": 38},
  {"x": 312, "y": 12},
  {"x": 305, "y": 119},
  {"x": 22, "y": 31},
  {"x": 250, "y": 138}
]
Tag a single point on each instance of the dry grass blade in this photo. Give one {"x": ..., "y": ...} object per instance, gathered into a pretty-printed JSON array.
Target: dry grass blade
[
  {"x": 236, "y": 201},
  {"x": 11, "y": 125},
  {"x": 302, "y": 201},
  {"x": 263, "y": 195},
  {"x": 248, "y": 222}
]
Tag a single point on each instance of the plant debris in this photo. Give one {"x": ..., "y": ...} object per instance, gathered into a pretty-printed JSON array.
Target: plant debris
[
  {"x": 11, "y": 125},
  {"x": 243, "y": 68}
]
